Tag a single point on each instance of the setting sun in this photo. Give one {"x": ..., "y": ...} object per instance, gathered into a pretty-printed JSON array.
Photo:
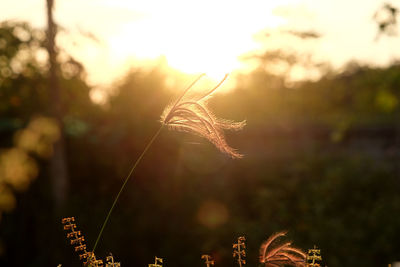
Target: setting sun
[
  {"x": 193, "y": 37},
  {"x": 202, "y": 37}
]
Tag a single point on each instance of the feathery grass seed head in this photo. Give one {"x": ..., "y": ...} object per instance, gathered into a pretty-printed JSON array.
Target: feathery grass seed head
[
  {"x": 272, "y": 254},
  {"x": 191, "y": 114}
]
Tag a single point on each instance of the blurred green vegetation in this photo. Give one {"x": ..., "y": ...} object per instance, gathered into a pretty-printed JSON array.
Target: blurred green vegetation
[{"x": 321, "y": 160}]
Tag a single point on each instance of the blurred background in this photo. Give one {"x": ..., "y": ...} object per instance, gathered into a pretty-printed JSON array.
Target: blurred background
[{"x": 82, "y": 87}]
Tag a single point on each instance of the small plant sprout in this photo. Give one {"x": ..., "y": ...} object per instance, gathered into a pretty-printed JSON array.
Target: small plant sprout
[
  {"x": 239, "y": 251},
  {"x": 274, "y": 254},
  {"x": 111, "y": 263},
  {"x": 78, "y": 241},
  {"x": 156, "y": 262},
  {"x": 190, "y": 113},
  {"x": 313, "y": 257},
  {"x": 208, "y": 260}
]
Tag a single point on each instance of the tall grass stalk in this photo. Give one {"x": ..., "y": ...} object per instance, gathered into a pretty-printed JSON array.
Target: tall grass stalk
[
  {"x": 134, "y": 167},
  {"x": 123, "y": 185},
  {"x": 188, "y": 114}
]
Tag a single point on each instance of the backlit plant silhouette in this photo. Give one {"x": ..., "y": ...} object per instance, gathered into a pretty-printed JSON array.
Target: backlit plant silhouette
[
  {"x": 239, "y": 251},
  {"x": 189, "y": 114},
  {"x": 275, "y": 254},
  {"x": 208, "y": 260},
  {"x": 78, "y": 241}
]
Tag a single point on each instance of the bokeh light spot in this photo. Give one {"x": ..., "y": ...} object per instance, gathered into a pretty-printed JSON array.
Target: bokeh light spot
[
  {"x": 212, "y": 214},
  {"x": 17, "y": 168}
]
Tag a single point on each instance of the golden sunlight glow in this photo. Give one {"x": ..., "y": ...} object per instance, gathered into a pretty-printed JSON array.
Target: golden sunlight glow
[
  {"x": 194, "y": 37},
  {"x": 205, "y": 36}
]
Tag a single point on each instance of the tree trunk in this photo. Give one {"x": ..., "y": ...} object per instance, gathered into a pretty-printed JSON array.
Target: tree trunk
[{"x": 58, "y": 166}]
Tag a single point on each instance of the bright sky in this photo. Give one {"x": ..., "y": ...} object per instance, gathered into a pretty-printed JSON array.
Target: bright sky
[{"x": 208, "y": 35}]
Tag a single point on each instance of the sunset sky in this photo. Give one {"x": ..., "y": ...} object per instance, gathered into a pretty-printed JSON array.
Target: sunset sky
[{"x": 207, "y": 36}]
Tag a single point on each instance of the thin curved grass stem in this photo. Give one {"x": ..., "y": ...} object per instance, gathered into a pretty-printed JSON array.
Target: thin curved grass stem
[
  {"x": 123, "y": 185},
  {"x": 215, "y": 87},
  {"x": 187, "y": 88}
]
